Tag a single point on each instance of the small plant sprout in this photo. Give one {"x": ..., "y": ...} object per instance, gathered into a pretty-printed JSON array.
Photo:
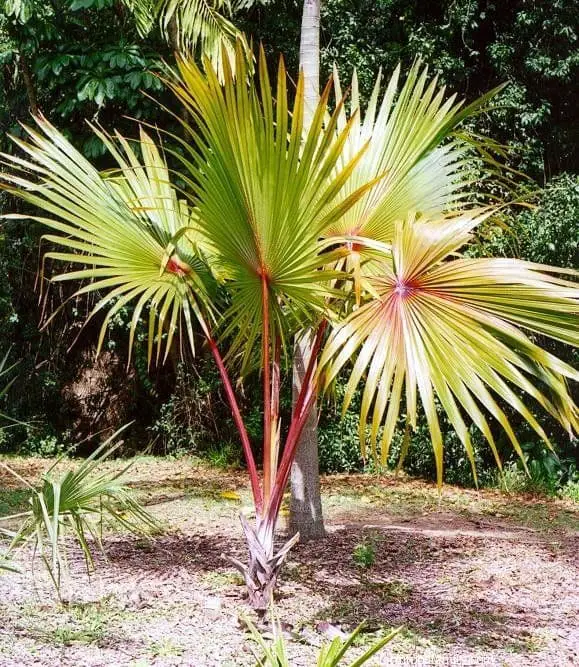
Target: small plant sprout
[{"x": 77, "y": 503}]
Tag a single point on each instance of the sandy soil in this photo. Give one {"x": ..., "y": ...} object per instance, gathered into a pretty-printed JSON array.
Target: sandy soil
[{"x": 474, "y": 578}]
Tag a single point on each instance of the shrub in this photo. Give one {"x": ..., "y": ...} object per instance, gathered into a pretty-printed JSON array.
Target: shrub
[
  {"x": 338, "y": 443},
  {"x": 419, "y": 460},
  {"x": 43, "y": 443},
  {"x": 571, "y": 491},
  {"x": 548, "y": 234},
  {"x": 187, "y": 420},
  {"x": 339, "y": 447},
  {"x": 547, "y": 473},
  {"x": 224, "y": 455},
  {"x": 76, "y": 503}
]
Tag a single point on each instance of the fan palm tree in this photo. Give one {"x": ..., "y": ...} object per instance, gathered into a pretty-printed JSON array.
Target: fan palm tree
[{"x": 352, "y": 228}]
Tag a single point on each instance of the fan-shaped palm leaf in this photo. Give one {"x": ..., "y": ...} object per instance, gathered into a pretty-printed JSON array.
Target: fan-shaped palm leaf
[
  {"x": 424, "y": 169},
  {"x": 264, "y": 194},
  {"x": 449, "y": 329},
  {"x": 128, "y": 230}
]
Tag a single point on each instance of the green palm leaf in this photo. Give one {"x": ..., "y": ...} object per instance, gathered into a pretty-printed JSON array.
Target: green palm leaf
[
  {"x": 193, "y": 26},
  {"x": 423, "y": 168},
  {"x": 134, "y": 239},
  {"x": 264, "y": 193},
  {"x": 5, "y": 370},
  {"x": 262, "y": 196},
  {"x": 144, "y": 13},
  {"x": 450, "y": 330},
  {"x": 274, "y": 654}
]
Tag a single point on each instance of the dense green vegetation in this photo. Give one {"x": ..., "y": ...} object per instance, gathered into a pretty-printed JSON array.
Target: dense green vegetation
[
  {"x": 473, "y": 45},
  {"x": 84, "y": 59}
]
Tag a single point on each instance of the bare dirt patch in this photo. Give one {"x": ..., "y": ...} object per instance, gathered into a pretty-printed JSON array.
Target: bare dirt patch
[{"x": 474, "y": 578}]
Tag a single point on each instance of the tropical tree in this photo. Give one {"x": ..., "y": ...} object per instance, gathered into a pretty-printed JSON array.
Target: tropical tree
[
  {"x": 305, "y": 507},
  {"x": 351, "y": 227}
]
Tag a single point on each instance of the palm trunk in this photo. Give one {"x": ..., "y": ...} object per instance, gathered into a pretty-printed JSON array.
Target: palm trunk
[
  {"x": 310, "y": 56},
  {"x": 262, "y": 570},
  {"x": 306, "y": 504}
]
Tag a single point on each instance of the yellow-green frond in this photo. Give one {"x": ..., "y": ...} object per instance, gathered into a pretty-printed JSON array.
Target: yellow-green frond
[
  {"x": 421, "y": 167},
  {"x": 264, "y": 193},
  {"x": 124, "y": 231},
  {"x": 450, "y": 330}
]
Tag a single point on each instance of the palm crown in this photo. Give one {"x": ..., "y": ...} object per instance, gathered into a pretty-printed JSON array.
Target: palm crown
[{"x": 352, "y": 222}]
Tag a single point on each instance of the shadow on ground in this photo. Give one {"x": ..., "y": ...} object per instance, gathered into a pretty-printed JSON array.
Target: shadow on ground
[
  {"x": 430, "y": 585},
  {"x": 420, "y": 581}
]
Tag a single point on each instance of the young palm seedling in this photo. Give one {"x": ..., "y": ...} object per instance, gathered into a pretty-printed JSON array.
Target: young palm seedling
[
  {"x": 274, "y": 654},
  {"x": 76, "y": 504}
]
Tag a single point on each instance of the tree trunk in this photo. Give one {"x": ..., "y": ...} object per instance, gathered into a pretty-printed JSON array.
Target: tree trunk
[
  {"x": 310, "y": 56},
  {"x": 29, "y": 85},
  {"x": 306, "y": 503}
]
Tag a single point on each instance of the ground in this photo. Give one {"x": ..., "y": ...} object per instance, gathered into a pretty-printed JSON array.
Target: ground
[{"x": 474, "y": 578}]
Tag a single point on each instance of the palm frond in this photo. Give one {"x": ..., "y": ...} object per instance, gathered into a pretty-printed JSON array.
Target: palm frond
[
  {"x": 145, "y": 14},
  {"x": 5, "y": 370},
  {"x": 201, "y": 27},
  {"x": 264, "y": 193},
  {"x": 424, "y": 168},
  {"x": 7, "y": 566},
  {"x": 274, "y": 654},
  {"x": 129, "y": 231},
  {"x": 450, "y": 330}
]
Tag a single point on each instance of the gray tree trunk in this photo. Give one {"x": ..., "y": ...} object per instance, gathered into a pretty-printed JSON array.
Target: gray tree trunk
[
  {"x": 310, "y": 56},
  {"x": 305, "y": 514},
  {"x": 306, "y": 503}
]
